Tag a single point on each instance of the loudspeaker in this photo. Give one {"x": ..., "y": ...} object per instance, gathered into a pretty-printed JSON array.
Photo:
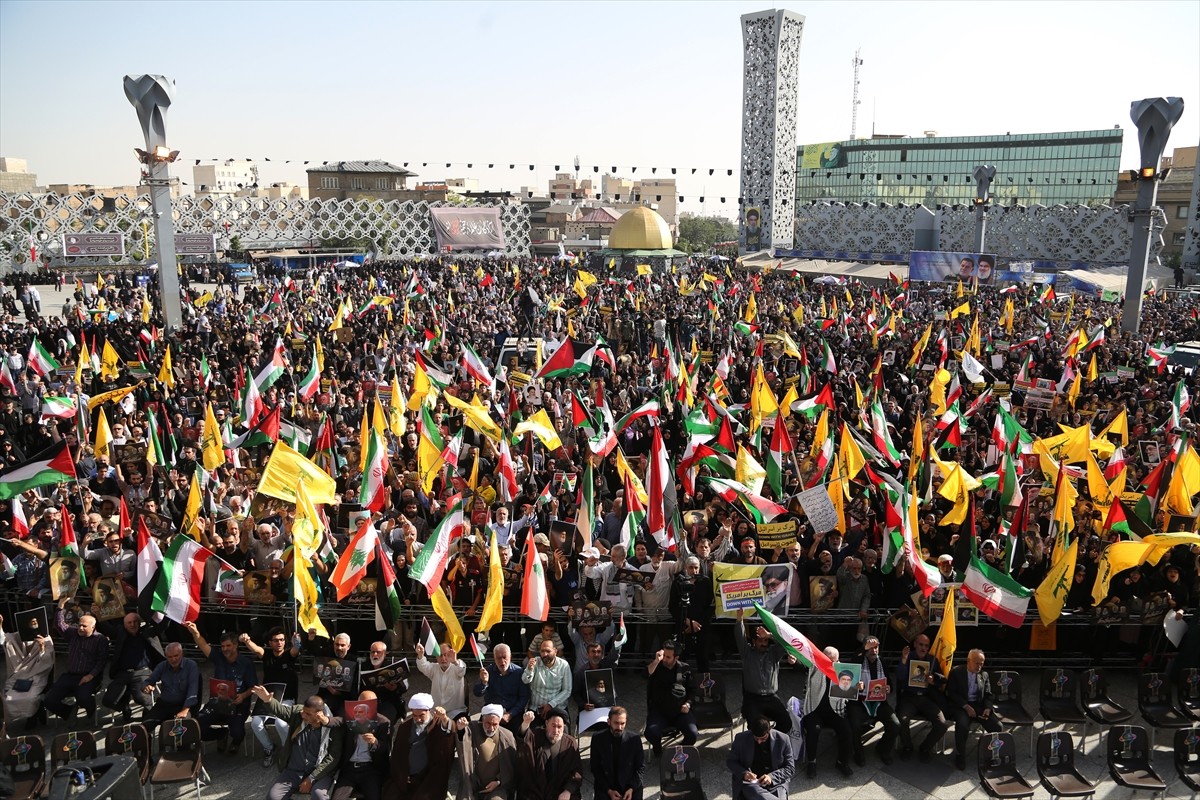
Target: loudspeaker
[{"x": 113, "y": 777}]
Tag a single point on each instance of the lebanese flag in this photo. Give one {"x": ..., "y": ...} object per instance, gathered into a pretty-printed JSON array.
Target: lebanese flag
[
  {"x": 40, "y": 359},
  {"x": 475, "y": 367},
  {"x": 52, "y": 465},
  {"x": 431, "y": 561},
  {"x": 148, "y": 556},
  {"x": 312, "y": 381},
  {"x": 177, "y": 594},
  {"x": 796, "y": 643},
  {"x": 20, "y": 525},
  {"x": 535, "y": 601},
  {"x": 996, "y": 594},
  {"x": 352, "y": 565},
  {"x": 373, "y": 491}
]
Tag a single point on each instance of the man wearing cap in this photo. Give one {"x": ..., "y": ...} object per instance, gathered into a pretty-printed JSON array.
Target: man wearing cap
[
  {"x": 945, "y": 565},
  {"x": 551, "y": 768},
  {"x": 422, "y": 750},
  {"x": 489, "y": 756},
  {"x": 364, "y": 755},
  {"x": 618, "y": 759},
  {"x": 311, "y": 752},
  {"x": 500, "y": 684},
  {"x": 549, "y": 680}
]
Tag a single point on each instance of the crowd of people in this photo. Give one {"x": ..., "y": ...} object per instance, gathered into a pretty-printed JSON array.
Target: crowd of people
[{"x": 621, "y": 436}]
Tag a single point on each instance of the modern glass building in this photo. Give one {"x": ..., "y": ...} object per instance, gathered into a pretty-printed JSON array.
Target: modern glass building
[{"x": 1071, "y": 168}]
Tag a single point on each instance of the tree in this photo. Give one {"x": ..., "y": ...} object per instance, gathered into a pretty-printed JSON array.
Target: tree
[{"x": 698, "y": 234}]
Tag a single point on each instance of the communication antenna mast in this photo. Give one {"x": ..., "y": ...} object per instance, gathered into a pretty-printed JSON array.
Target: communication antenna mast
[
  {"x": 854, "y": 105},
  {"x": 576, "y": 167}
]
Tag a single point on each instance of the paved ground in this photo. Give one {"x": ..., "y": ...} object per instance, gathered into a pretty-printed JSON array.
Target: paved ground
[{"x": 243, "y": 777}]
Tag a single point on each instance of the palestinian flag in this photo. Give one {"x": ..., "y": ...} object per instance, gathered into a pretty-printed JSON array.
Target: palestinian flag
[
  {"x": 52, "y": 465},
  {"x": 353, "y": 563},
  {"x": 760, "y": 508},
  {"x": 1117, "y": 520},
  {"x": 311, "y": 383},
  {"x": 635, "y": 514},
  {"x": 58, "y": 407},
  {"x": 996, "y": 594},
  {"x": 543, "y": 499},
  {"x": 387, "y": 601},
  {"x": 148, "y": 556},
  {"x": 273, "y": 303},
  {"x": 40, "y": 360},
  {"x": 777, "y": 456},
  {"x": 828, "y": 362},
  {"x": 428, "y": 641},
  {"x": 796, "y": 643},
  {"x": 622, "y": 635},
  {"x": 263, "y": 432},
  {"x": 177, "y": 595},
  {"x": 879, "y": 429},
  {"x": 430, "y": 563},
  {"x": 562, "y": 363},
  {"x": 745, "y": 328},
  {"x": 373, "y": 491},
  {"x": 274, "y": 369},
  {"x": 811, "y": 406}
]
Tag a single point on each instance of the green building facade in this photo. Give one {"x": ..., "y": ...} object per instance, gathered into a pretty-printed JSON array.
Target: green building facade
[{"x": 1069, "y": 168}]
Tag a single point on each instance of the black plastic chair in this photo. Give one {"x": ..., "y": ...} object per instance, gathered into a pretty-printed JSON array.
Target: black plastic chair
[
  {"x": 1058, "y": 700},
  {"x": 1128, "y": 751},
  {"x": 1187, "y": 759},
  {"x": 72, "y": 746},
  {"x": 130, "y": 740},
  {"x": 1189, "y": 692},
  {"x": 709, "y": 707},
  {"x": 180, "y": 755},
  {"x": 1007, "y": 705},
  {"x": 1156, "y": 705},
  {"x": 25, "y": 757},
  {"x": 1098, "y": 705},
  {"x": 998, "y": 773},
  {"x": 1056, "y": 767},
  {"x": 679, "y": 774}
]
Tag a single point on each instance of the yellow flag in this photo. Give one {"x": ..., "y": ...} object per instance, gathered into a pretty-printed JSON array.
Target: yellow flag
[
  {"x": 1185, "y": 482},
  {"x": 396, "y": 419},
  {"x": 1119, "y": 426},
  {"x": 1102, "y": 494},
  {"x": 307, "y": 527},
  {"x": 920, "y": 346},
  {"x": 918, "y": 448},
  {"x": 429, "y": 460},
  {"x": 103, "y": 436},
  {"x": 191, "y": 511},
  {"x": 962, "y": 310},
  {"x": 644, "y": 269},
  {"x": 1052, "y": 592},
  {"x": 751, "y": 309},
  {"x": 762, "y": 400},
  {"x": 785, "y": 405},
  {"x": 477, "y": 417},
  {"x": 630, "y": 478},
  {"x": 587, "y": 278},
  {"x": 421, "y": 388},
  {"x": 213, "y": 451},
  {"x": 146, "y": 309},
  {"x": 287, "y": 468},
  {"x": 580, "y": 288},
  {"x": 1064, "y": 518},
  {"x": 838, "y": 497},
  {"x": 1115, "y": 558},
  {"x": 798, "y": 315},
  {"x": 320, "y": 355},
  {"x": 540, "y": 426},
  {"x": 493, "y": 601},
  {"x": 954, "y": 489},
  {"x": 305, "y": 590},
  {"x": 1073, "y": 392},
  {"x": 946, "y": 641},
  {"x": 959, "y": 293},
  {"x": 822, "y": 432},
  {"x": 166, "y": 375},
  {"x": 378, "y": 419},
  {"x": 851, "y": 457},
  {"x": 1009, "y": 315},
  {"x": 1071, "y": 446},
  {"x": 100, "y": 284},
  {"x": 570, "y": 328},
  {"x": 109, "y": 361},
  {"x": 473, "y": 478},
  {"x": 364, "y": 436},
  {"x": 116, "y": 395},
  {"x": 937, "y": 391},
  {"x": 445, "y": 611},
  {"x": 748, "y": 471}
]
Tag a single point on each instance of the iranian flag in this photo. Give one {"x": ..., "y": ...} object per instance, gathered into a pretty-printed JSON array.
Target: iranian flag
[
  {"x": 996, "y": 594},
  {"x": 373, "y": 491},
  {"x": 177, "y": 595},
  {"x": 431, "y": 562},
  {"x": 796, "y": 643},
  {"x": 650, "y": 408},
  {"x": 759, "y": 507},
  {"x": 311, "y": 383},
  {"x": 58, "y": 407},
  {"x": 6, "y": 378},
  {"x": 829, "y": 364},
  {"x": 20, "y": 525},
  {"x": 475, "y": 367},
  {"x": 508, "y": 485},
  {"x": 148, "y": 556},
  {"x": 52, "y": 465},
  {"x": 40, "y": 359},
  {"x": 535, "y": 602},
  {"x": 879, "y": 430},
  {"x": 777, "y": 456},
  {"x": 352, "y": 565},
  {"x": 274, "y": 368}
]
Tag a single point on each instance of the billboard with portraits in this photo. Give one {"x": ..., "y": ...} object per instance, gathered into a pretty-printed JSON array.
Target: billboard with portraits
[{"x": 933, "y": 266}]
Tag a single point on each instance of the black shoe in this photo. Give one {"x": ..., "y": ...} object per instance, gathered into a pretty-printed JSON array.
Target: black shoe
[
  {"x": 960, "y": 761},
  {"x": 233, "y": 747},
  {"x": 657, "y": 751},
  {"x": 860, "y": 759},
  {"x": 126, "y": 714},
  {"x": 811, "y": 770}
]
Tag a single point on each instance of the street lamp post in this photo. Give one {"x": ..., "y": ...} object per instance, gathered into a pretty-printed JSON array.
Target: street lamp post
[
  {"x": 983, "y": 194},
  {"x": 1154, "y": 118},
  {"x": 151, "y": 96}
]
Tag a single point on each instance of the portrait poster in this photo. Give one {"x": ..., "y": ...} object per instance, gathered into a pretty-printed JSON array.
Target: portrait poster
[
  {"x": 1043, "y": 637},
  {"x": 1150, "y": 451},
  {"x": 909, "y": 623},
  {"x": 360, "y": 716},
  {"x": 33, "y": 623},
  {"x": 1110, "y": 612},
  {"x": 848, "y": 676},
  {"x": 363, "y": 593},
  {"x": 597, "y": 614},
  {"x": 877, "y": 690},
  {"x": 1155, "y": 608},
  {"x": 918, "y": 674},
  {"x": 391, "y": 673},
  {"x": 601, "y": 689},
  {"x": 776, "y": 581},
  {"x": 634, "y": 576},
  {"x": 257, "y": 587},
  {"x": 277, "y": 691},
  {"x": 820, "y": 590},
  {"x": 335, "y": 673},
  {"x": 108, "y": 599},
  {"x": 64, "y": 577},
  {"x": 222, "y": 695}
]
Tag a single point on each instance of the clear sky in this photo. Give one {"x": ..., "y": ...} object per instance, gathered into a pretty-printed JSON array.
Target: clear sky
[{"x": 620, "y": 84}]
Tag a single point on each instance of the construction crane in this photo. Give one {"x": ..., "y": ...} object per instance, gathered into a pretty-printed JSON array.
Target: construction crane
[{"x": 854, "y": 104}]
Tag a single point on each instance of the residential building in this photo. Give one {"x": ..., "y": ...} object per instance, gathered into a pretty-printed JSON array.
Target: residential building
[
  {"x": 1066, "y": 168},
  {"x": 225, "y": 178},
  {"x": 565, "y": 186},
  {"x": 15, "y": 175},
  {"x": 378, "y": 180},
  {"x": 594, "y": 225},
  {"x": 1174, "y": 197},
  {"x": 615, "y": 189}
]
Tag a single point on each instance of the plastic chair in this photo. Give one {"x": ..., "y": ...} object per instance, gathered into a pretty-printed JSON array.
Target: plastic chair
[
  {"x": 1007, "y": 705},
  {"x": 709, "y": 708},
  {"x": 131, "y": 740},
  {"x": 1128, "y": 751},
  {"x": 1057, "y": 700},
  {"x": 25, "y": 757},
  {"x": 1189, "y": 692},
  {"x": 1187, "y": 759},
  {"x": 72, "y": 746},
  {"x": 1156, "y": 705},
  {"x": 1056, "y": 767},
  {"x": 180, "y": 756},
  {"x": 998, "y": 773},
  {"x": 679, "y": 774},
  {"x": 1098, "y": 705}
]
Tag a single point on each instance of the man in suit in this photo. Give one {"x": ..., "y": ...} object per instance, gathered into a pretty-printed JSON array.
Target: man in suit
[
  {"x": 924, "y": 702},
  {"x": 761, "y": 762},
  {"x": 969, "y": 694},
  {"x": 365, "y": 748},
  {"x": 136, "y": 651},
  {"x": 489, "y": 756},
  {"x": 617, "y": 760},
  {"x": 422, "y": 751},
  {"x": 550, "y": 766},
  {"x": 860, "y": 712},
  {"x": 823, "y": 711}
]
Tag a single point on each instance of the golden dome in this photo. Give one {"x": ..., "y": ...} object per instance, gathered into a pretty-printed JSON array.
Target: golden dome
[{"x": 640, "y": 229}]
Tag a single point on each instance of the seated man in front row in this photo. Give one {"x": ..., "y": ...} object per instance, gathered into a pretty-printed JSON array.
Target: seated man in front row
[{"x": 312, "y": 751}]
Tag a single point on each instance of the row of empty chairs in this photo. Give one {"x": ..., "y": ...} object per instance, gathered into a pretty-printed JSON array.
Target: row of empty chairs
[
  {"x": 179, "y": 759},
  {"x": 1128, "y": 751}
]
